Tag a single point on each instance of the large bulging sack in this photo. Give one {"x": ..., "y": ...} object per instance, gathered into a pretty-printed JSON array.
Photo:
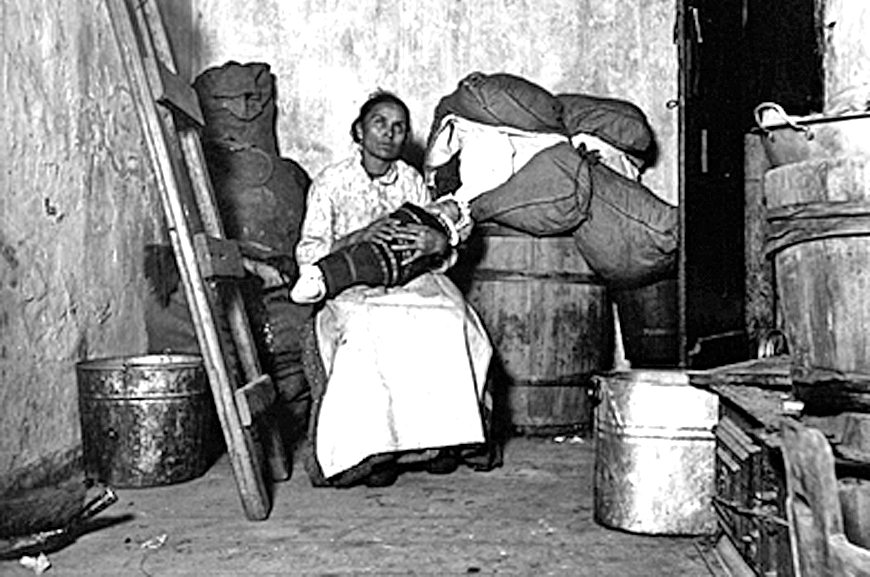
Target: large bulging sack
[
  {"x": 486, "y": 156},
  {"x": 549, "y": 195},
  {"x": 238, "y": 102},
  {"x": 617, "y": 122},
  {"x": 502, "y": 99},
  {"x": 627, "y": 234},
  {"x": 261, "y": 196},
  {"x": 630, "y": 236}
]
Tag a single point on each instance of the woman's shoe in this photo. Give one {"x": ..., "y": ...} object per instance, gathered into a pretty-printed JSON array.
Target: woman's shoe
[
  {"x": 382, "y": 476},
  {"x": 444, "y": 463}
]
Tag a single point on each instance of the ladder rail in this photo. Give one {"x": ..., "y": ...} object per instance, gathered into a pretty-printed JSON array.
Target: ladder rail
[
  {"x": 160, "y": 51},
  {"x": 204, "y": 197},
  {"x": 177, "y": 158}
]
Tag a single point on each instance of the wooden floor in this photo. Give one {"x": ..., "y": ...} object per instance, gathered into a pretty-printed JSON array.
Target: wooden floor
[{"x": 533, "y": 516}]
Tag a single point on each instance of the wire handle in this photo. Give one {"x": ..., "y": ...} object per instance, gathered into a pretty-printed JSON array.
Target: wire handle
[{"x": 786, "y": 119}]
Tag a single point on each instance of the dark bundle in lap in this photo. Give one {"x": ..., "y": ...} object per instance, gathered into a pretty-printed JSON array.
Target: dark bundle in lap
[{"x": 374, "y": 263}]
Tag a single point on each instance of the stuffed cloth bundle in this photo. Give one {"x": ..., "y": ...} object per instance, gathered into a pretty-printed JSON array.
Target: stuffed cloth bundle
[{"x": 627, "y": 234}]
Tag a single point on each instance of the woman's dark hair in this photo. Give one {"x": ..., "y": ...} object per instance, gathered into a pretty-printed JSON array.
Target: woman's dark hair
[{"x": 376, "y": 98}]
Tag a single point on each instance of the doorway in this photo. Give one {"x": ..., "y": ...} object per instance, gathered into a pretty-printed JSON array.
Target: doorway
[{"x": 732, "y": 56}]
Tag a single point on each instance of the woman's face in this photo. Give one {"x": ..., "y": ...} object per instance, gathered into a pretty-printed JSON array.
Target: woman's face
[{"x": 383, "y": 131}]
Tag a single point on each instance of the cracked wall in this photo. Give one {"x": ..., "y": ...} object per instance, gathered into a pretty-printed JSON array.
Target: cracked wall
[{"x": 76, "y": 210}]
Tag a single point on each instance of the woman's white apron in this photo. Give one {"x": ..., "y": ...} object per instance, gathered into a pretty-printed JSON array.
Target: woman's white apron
[{"x": 406, "y": 371}]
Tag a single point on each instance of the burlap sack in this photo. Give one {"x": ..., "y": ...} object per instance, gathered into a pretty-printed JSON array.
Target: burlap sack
[{"x": 502, "y": 100}]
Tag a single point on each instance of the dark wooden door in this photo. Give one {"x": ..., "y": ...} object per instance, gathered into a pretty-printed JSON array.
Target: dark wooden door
[{"x": 732, "y": 55}]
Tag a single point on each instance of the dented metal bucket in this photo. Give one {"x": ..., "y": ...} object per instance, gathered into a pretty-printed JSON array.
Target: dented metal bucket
[
  {"x": 791, "y": 139},
  {"x": 654, "y": 453},
  {"x": 146, "y": 420}
]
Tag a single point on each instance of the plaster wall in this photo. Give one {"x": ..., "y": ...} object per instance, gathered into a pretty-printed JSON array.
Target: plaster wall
[
  {"x": 77, "y": 205},
  {"x": 78, "y": 200},
  {"x": 328, "y": 55},
  {"x": 847, "y": 50}
]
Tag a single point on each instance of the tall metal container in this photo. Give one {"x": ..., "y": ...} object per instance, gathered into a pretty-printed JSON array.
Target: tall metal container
[
  {"x": 147, "y": 420},
  {"x": 654, "y": 453}
]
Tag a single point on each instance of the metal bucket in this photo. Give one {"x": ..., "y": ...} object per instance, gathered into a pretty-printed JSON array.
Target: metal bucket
[
  {"x": 654, "y": 453},
  {"x": 789, "y": 139},
  {"x": 146, "y": 420}
]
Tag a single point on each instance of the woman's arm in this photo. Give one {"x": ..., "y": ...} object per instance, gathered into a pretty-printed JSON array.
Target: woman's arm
[{"x": 316, "y": 237}]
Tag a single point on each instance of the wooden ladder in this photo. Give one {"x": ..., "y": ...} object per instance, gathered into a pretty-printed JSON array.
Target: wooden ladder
[{"x": 170, "y": 116}]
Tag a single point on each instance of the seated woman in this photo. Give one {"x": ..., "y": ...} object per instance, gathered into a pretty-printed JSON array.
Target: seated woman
[{"x": 397, "y": 374}]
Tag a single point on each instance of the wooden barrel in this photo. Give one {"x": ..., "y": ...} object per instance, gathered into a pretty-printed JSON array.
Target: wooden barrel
[
  {"x": 648, "y": 319},
  {"x": 551, "y": 324},
  {"x": 819, "y": 236}
]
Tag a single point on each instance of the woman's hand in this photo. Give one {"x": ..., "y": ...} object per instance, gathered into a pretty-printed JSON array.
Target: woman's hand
[
  {"x": 419, "y": 241},
  {"x": 383, "y": 229},
  {"x": 270, "y": 275},
  {"x": 266, "y": 263}
]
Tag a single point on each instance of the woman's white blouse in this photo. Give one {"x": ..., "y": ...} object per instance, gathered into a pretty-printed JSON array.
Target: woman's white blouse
[{"x": 343, "y": 198}]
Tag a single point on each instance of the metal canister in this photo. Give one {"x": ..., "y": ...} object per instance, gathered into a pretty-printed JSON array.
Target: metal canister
[
  {"x": 654, "y": 453},
  {"x": 146, "y": 420}
]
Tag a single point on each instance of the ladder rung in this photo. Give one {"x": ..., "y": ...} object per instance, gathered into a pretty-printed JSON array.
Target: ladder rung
[
  {"x": 218, "y": 257},
  {"x": 254, "y": 399}
]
